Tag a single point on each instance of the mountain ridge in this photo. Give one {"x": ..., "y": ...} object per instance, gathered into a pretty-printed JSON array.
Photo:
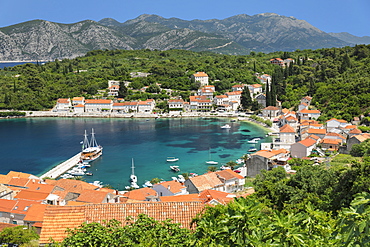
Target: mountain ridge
[{"x": 235, "y": 35}]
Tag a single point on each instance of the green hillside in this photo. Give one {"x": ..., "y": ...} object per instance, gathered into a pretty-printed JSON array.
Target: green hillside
[{"x": 337, "y": 78}]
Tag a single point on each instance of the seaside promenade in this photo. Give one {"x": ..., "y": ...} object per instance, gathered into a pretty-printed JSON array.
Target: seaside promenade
[{"x": 62, "y": 167}]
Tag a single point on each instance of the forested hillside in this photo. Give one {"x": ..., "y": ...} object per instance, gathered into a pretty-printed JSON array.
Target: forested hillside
[{"x": 337, "y": 78}]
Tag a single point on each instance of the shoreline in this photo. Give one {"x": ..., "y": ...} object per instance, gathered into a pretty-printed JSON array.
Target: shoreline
[{"x": 238, "y": 116}]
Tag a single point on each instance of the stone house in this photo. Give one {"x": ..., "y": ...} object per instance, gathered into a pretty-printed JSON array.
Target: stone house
[
  {"x": 303, "y": 148},
  {"x": 200, "y": 77},
  {"x": 266, "y": 160}
]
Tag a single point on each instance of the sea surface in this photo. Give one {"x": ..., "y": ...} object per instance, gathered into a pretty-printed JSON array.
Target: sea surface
[
  {"x": 35, "y": 145},
  {"x": 12, "y": 64}
]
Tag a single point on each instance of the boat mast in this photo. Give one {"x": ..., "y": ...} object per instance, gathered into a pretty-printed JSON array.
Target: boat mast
[
  {"x": 93, "y": 142},
  {"x": 132, "y": 166},
  {"x": 86, "y": 143}
]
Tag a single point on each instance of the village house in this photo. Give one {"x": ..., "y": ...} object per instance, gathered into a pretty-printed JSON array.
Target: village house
[
  {"x": 306, "y": 100},
  {"x": 238, "y": 87},
  {"x": 261, "y": 99},
  {"x": 220, "y": 100},
  {"x": 63, "y": 105},
  {"x": 207, "y": 91},
  {"x": 270, "y": 112},
  {"x": 225, "y": 180},
  {"x": 266, "y": 160},
  {"x": 313, "y": 131},
  {"x": 356, "y": 139},
  {"x": 336, "y": 124},
  {"x": 200, "y": 103},
  {"x": 305, "y": 114},
  {"x": 255, "y": 89},
  {"x": 303, "y": 148},
  {"x": 14, "y": 211},
  {"x": 98, "y": 105},
  {"x": 234, "y": 96},
  {"x": 287, "y": 137},
  {"x": 330, "y": 144},
  {"x": 265, "y": 78},
  {"x": 176, "y": 106},
  {"x": 277, "y": 61},
  {"x": 113, "y": 91},
  {"x": 170, "y": 188},
  {"x": 200, "y": 77},
  {"x": 78, "y": 101},
  {"x": 146, "y": 106}
]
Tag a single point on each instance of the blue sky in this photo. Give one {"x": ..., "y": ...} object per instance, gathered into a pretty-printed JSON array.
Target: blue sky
[{"x": 328, "y": 15}]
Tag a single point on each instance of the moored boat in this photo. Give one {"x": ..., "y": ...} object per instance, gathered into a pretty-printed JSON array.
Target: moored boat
[
  {"x": 175, "y": 168},
  {"x": 172, "y": 159},
  {"x": 226, "y": 126},
  {"x": 90, "y": 149}
]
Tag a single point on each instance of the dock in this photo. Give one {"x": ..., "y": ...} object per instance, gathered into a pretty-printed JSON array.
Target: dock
[{"x": 62, "y": 167}]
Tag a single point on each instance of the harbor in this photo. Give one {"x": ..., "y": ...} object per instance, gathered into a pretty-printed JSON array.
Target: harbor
[{"x": 62, "y": 167}]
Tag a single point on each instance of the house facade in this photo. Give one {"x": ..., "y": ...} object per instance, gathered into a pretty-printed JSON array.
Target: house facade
[{"x": 200, "y": 77}]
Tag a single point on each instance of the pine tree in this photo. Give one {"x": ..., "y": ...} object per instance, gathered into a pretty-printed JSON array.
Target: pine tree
[
  {"x": 268, "y": 102},
  {"x": 246, "y": 99}
]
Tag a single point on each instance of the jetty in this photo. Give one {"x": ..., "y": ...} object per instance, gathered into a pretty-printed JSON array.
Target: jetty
[{"x": 62, "y": 167}]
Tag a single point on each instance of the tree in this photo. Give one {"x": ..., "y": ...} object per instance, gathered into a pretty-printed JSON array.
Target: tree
[
  {"x": 122, "y": 92},
  {"x": 211, "y": 168},
  {"x": 362, "y": 149},
  {"x": 246, "y": 99},
  {"x": 144, "y": 231},
  {"x": 232, "y": 164},
  {"x": 18, "y": 235}
]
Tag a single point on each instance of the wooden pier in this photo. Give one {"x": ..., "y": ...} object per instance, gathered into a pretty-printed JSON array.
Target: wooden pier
[{"x": 62, "y": 167}]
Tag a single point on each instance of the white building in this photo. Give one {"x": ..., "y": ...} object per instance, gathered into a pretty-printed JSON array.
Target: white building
[
  {"x": 201, "y": 77},
  {"x": 63, "y": 105},
  {"x": 98, "y": 105}
]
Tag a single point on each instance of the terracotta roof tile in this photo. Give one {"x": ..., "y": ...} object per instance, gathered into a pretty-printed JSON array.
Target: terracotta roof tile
[
  {"x": 335, "y": 134},
  {"x": 220, "y": 196},
  {"x": 229, "y": 174},
  {"x": 5, "y": 225},
  {"x": 173, "y": 186},
  {"x": 35, "y": 212},
  {"x": 200, "y": 74},
  {"x": 71, "y": 185},
  {"x": 63, "y": 101},
  {"x": 355, "y": 131},
  {"x": 140, "y": 194},
  {"x": 98, "y": 101},
  {"x": 308, "y": 142},
  {"x": 31, "y": 195},
  {"x": 58, "y": 218},
  {"x": 316, "y": 131},
  {"x": 206, "y": 181},
  {"x": 287, "y": 129},
  {"x": 310, "y": 111},
  {"x": 331, "y": 141},
  {"x": 181, "y": 198},
  {"x": 92, "y": 196},
  {"x": 271, "y": 108}
]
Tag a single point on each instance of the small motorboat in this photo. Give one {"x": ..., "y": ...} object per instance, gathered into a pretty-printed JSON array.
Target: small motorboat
[
  {"x": 252, "y": 149},
  {"x": 148, "y": 184},
  {"x": 175, "y": 168},
  {"x": 226, "y": 126},
  {"x": 88, "y": 174},
  {"x": 172, "y": 159}
]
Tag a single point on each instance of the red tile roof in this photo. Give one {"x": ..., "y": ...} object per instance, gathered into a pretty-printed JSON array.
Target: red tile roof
[
  {"x": 287, "y": 129},
  {"x": 36, "y": 213},
  {"x": 32, "y": 195},
  {"x": 6, "y": 225},
  {"x": 200, "y": 74},
  {"x": 271, "y": 108},
  {"x": 92, "y": 196},
  {"x": 58, "y": 218},
  {"x": 98, "y": 101},
  {"x": 228, "y": 174},
  {"x": 173, "y": 186},
  {"x": 310, "y": 111},
  {"x": 355, "y": 131},
  {"x": 71, "y": 185},
  {"x": 206, "y": 181},
  {"x": 308, "y": 142},
  {"x": 140, "y": 194}
]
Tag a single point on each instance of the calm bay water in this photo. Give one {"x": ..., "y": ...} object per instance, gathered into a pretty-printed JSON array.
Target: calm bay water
[
  {"x": 12, "y": 64},
  {"x": 36, "y": 145}
]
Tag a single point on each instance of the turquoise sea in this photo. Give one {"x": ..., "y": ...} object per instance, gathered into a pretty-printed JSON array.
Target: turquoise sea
[{"x": 35, "y": 145}]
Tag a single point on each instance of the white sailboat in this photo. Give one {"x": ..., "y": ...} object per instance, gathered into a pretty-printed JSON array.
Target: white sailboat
[
  {"x": 133, "y": 177},
  {"x": 210, "y": 161},
  {"x": 90, "y": 150}
]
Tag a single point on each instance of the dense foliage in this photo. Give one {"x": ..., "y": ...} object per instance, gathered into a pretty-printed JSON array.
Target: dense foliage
[
  {"x": 18, "y": 235},
  {"x": 337, "y": 78}
]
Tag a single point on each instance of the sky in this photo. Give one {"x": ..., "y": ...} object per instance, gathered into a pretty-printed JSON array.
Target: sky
[{"x": 327, "y": 15}]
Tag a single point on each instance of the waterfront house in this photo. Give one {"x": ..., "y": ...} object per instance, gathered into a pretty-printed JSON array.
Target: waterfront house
[
  {"x": 287, "y": 137},
  {"x": 57, "y": 219},
  {"x": 79, "y": 108},
  {"x": 270, "y": 112},
  {"x": 119, "y": 107},
  {"x": 176, "y": 106},
  {"x": 63, "y": 105},
  {"x": 146, "y": 106},
  {"x": 200, "y": 77},
  {"x": 200, "y": 103},
  {"x": 234, "y": 96},
  {"x": 78, "y": 101},
  {"x": 98, "y": 105},
  {"x": 266, "y": 160},
  {"x": 220, "y": 100},
  {"x": 303, "y": 148}
]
